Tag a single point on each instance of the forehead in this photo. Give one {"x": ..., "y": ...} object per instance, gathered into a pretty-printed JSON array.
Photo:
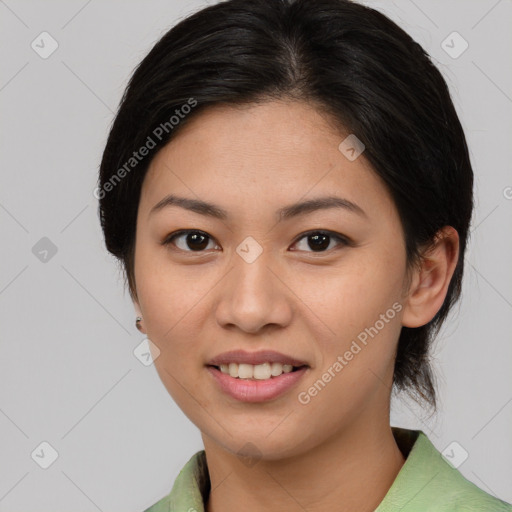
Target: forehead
[{"x": 260, "y": 154}]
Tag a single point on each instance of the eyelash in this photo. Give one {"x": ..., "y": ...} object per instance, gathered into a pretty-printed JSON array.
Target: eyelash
[{"x": 342, "y": 240}]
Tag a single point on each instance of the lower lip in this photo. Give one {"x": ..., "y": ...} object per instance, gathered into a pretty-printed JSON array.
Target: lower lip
[{"x": 247, "y": 390}]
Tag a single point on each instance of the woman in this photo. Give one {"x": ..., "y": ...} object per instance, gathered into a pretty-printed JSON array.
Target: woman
[{"x": 288, "y": 187}]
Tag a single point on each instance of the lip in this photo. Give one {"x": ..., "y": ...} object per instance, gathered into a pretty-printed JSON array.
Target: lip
[
  {"x": 260, "y": 357},
  {"x": 247, "y": 390}
]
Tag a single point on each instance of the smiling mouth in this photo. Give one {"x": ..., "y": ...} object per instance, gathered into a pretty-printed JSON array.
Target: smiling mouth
[{"x": 264, "y": 371}]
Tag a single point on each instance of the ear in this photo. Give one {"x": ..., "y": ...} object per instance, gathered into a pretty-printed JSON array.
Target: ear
[{"x": 429, "y": 283}]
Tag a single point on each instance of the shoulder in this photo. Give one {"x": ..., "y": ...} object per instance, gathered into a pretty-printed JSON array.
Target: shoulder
[
  {"x": 427, "y": 482},
  {"x": 164, "y": 505},
  {"x": 190, "y": 490}
]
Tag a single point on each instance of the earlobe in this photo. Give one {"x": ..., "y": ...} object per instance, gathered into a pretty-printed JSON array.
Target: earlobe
[
  {"x": 138, "y": 324},
  {"x": 430, "y": 281},
  {"x": 138, "y": 318}
]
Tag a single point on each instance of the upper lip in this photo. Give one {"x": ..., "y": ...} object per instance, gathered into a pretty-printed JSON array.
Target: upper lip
[{"x": 260, "y": 357}]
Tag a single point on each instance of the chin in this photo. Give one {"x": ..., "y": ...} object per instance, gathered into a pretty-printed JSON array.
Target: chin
[{"x": 253, "y": 446}]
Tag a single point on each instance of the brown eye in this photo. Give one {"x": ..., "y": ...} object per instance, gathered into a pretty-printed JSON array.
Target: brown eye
[
  {"x": 320, "y": 241},
  {"x": 189, "y": 240}
]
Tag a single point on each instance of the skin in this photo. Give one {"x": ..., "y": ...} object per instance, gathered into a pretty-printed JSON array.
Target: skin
[{"x": 303, "y": 302}]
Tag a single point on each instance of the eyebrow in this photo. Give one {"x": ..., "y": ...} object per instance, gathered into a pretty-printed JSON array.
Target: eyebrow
[{"x": 287, "y": 212}]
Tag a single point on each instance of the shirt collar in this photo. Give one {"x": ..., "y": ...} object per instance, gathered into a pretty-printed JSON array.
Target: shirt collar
[{"x": 192, "y": 486}]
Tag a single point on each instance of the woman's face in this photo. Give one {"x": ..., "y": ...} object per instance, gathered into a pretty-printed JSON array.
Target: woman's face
[{"x": 256, "y": 280}]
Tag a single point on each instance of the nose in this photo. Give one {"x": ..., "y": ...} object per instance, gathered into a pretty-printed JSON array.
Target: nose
[{"x": 255, "y": 295}]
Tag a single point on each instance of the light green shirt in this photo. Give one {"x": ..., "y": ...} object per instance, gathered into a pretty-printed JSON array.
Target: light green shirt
[{"x": 426, "y": 482}]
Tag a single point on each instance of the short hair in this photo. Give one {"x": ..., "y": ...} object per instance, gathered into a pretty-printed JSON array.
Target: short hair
[{"x": 359, "y": 69}]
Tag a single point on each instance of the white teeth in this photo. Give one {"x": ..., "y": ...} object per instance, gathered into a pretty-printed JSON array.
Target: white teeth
[
  {"x": 233, "y": 369},
  {"x": 259, "y": 371},
  {"x": 245, "y": 371},
  {"x": 277, "y": 369}
]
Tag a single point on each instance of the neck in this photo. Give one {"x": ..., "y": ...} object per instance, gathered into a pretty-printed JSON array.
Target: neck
[{"x": 352, "y": 471}]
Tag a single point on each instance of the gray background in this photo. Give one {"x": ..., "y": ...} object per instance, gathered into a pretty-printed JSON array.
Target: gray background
[{"x": 68, "y": 373}]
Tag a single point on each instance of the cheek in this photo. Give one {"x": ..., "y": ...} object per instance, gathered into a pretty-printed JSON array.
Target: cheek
[
  {"x": 362, "y": 309},
  {"x": 168, "y": 293},
  {"x": 174, "y": 315},
  {"x": 356, "y": 295}
]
